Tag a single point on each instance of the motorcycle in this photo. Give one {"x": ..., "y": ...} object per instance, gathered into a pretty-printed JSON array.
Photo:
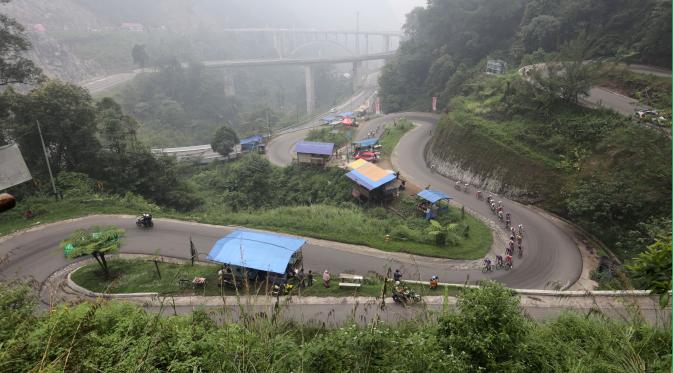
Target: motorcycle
[
  {"x": 144, "y": 221},
  {"x": 405, "y": 296}
]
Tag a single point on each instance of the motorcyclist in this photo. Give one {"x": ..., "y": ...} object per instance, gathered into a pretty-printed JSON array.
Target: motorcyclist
[{"x": 434, "y": 282}]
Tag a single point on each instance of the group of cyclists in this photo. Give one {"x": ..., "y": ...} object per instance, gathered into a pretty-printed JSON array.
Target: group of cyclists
[{"x": 515, "y": 239}]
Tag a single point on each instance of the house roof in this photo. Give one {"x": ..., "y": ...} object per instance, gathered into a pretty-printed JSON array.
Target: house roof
[
  {"x": 357, "y": 164},
  {"x": 432, "y": 195},
  {"x": 311, "y": 147},
  {"x": 371, "y": 176},
  {"x": 256, "y": 250},
  {"x": 251, "y": 140}
]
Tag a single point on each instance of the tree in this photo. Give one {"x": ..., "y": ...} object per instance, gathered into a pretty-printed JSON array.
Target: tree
[
  {"x": 652, "y": 269},
  {"x": 96, "y": 242},
  {"x": 140, "y": 56},
  {"x": 67, "y": 116},
  {"x": 14, "y": 66},
  {"x": 224, "y": 140},
  {"x": 541, "y": 32},
  {"x": 489, "y": 328},
  {"x": 443, "y": 234},
  {"x": 117, "y": 130}
]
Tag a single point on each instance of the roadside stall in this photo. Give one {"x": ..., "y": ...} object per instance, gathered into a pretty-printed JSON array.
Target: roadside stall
[
  {"x": 372, "y": 183},
  {"x": 257, "y": 256},
  {"x": 432, "y": 202}
]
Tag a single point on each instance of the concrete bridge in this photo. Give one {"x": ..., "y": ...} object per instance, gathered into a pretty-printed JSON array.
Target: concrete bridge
[
  {"x": 288, "y": 41},
  {"x": 308, "y": 63}
]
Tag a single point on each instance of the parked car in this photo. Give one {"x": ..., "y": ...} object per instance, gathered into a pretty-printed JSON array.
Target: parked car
[{"x": 367, "y": 156}]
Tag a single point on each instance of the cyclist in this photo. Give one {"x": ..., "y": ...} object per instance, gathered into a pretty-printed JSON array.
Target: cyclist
[
  {"x": 519, "y": 238},
  {"x": 521, "y": 229},
  {"x": 508, "y": 261},
  {"x": 479, "y": 196},
  {"x": 487, "y": 264},
  {"x": 498, "y": 260},
  {"x": 513, "y": 230},
  {"x": 508, "y": 217},
  {"x": 500, "y": 215},
  {"x": 520, "y": 248}
]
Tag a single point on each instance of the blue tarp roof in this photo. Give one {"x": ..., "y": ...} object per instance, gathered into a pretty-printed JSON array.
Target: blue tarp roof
[
  {"x": 311, "y": 147},
  {"x": 328, "y": 119},
  {"x": 345, "y": 114},
  {"x": 432, "y": 195},
  {"x": 367, "y": 182},
  {"x": 256, "y": 250},
  {"x": 367, "y": 142},
  {"x": 251, "y": 139}
]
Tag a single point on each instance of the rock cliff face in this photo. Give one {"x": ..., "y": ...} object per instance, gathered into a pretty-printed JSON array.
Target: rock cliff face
[{"x": 41, "y": 19}]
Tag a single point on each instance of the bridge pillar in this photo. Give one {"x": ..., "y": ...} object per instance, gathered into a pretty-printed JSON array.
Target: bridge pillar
[
  {"x": 357, "y": 74},
  {"x": 386, "y": 43},
  {"x": 278, "y": 44},
  {"x": 229, "y": 85},
  {"x": 366, "y": 44},
  {"x": 310, "y": 89}
]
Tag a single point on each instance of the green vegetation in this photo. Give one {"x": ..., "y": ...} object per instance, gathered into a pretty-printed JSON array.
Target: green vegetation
[
  {"x": 487, "y": 331},
  {"x": 594, "y": 167},
  {"x": 14, "y": 43},
  {"x": 180, "y": 106},
  {"x": 651, "y": 90},
  {"x": 296, "y": 200},
  {"x": 94, "y": 241},
  {"x": 224, "y": 140},
  {"x": 393, "y": 134},
  {"x": 448, "y": 38},
  {"x": 338, "y": 135},
  {"x": 140, "y": 276}
]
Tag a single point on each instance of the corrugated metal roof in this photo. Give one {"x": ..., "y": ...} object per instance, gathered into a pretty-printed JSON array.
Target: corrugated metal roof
[
  {"x": 311, "y": 147},
  {"x": 367, "y": 142},
  {"x": 251, "y": 140},
  {"x": 357, "y": 164},
  {"x": 432, "y": 195},
  {"x": 371, "y": 176},
  {"x": 256, "y": 250}
]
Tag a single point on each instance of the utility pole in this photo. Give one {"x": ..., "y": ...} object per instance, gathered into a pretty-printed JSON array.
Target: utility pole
[{"x": 46, "y": 158}]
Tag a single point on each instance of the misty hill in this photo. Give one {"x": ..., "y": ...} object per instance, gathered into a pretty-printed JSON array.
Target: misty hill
[{"x": 77, "y": 40}]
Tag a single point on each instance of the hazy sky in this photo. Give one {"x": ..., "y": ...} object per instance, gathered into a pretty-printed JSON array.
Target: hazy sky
[{"x": 402, "y": 7}]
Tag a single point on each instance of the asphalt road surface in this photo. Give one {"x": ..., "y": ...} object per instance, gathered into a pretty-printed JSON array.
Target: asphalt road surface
[
  {"x": 35, "y": 255},
  {"x": 280, "y": 150}
]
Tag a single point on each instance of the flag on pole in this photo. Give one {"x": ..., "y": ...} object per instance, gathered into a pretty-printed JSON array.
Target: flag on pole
[{"x": 434, "y": 103}]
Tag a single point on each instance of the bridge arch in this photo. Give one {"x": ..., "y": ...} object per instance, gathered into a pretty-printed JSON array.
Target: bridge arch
[{"x": 321, "y": 42}]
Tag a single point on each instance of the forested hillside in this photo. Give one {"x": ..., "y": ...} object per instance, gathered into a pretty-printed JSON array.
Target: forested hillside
[{"x": 450, "y": 36}]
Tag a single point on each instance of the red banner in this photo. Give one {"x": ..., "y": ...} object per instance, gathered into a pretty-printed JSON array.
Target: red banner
[{"x": 434, "y": 103}]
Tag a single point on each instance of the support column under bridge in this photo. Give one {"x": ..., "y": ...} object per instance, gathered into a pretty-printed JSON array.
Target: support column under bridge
[{"x": 310, "y": 89}]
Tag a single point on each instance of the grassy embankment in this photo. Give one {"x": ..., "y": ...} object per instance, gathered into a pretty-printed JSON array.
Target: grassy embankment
[
  {"x": 392, "y": 136},
  {"x": 488, "y": 331},
  {"x": 347, "y": 223},
  {"x": 140, "y": 276},
  {"x": 595, "y": 167}
]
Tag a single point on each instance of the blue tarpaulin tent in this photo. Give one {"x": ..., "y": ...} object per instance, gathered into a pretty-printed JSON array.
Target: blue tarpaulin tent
[
  {"x": 251, "y": 142},
  {"x": 432, "y": 196},
  {"x": 367, "y": 142},
  {"x": 256, "y": 250},
  {"x": 346, "y": 114},
  {"x": 328, "y": 119},
  {"x": 312, "y": 147}
]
